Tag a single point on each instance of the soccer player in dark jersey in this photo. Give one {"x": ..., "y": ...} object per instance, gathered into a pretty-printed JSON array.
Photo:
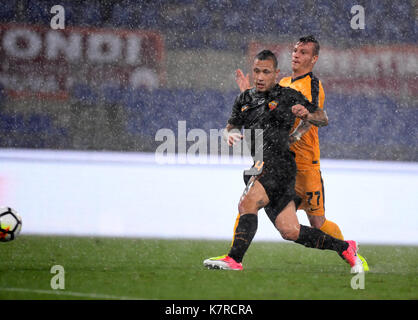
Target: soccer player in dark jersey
[{"x": 271, "y": 181}]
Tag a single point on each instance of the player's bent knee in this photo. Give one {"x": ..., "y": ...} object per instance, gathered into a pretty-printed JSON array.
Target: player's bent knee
[
  {"x": 250, "y": 204},
  {"x": 247, "y": 206}
]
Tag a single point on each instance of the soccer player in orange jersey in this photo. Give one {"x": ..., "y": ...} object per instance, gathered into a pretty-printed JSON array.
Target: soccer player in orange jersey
[{"x": 304, "y": 137}]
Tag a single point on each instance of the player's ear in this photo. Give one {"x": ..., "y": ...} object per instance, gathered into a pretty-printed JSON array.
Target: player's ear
[
  {"x": 277, "y": 73},
  {"x": 314, "y": 59}
]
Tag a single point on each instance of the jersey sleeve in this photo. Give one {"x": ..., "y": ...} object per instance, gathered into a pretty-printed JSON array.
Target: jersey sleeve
[
  {"x": 317, "y": 92},
  {"x": 236, "y": 118},
  {"x": 321, "y": 99}
]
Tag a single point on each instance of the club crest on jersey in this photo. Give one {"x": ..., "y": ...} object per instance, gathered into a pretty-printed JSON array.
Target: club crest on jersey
[
  {"x": 244, "y": 108},
  {"x": 273, "y": 105}
]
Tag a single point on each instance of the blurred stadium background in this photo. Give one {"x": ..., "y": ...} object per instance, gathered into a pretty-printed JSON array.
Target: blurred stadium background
[
  {"x": 122, "y": 70},
  {"x": 75, "y": 90}
]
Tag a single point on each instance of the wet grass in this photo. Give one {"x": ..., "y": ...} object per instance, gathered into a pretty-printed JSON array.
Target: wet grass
[{"x": 111, "y": 268}]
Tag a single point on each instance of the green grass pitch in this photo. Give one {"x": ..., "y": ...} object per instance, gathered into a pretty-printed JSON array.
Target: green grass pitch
[{"x": 120, "y": 268}]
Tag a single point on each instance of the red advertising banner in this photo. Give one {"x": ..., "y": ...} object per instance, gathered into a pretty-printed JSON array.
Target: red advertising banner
[
  {"x": 41, "y": 62},
  {"x": 390, "y": 70}
]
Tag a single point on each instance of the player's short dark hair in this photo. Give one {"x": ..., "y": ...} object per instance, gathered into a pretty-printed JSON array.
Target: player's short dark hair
[
  {"x": 267, "y": 55},
  {"x": 311, "y": 39}
]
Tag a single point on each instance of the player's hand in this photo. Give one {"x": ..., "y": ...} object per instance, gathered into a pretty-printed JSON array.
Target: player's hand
[
  {"x": 300, "y": 111},
  {"x": 233, "y": 137},
  {"x": 242, "y": 81}
]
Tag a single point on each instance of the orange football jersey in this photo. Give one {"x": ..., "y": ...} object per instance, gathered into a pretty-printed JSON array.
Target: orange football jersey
[{"x": 307, "y": 148}]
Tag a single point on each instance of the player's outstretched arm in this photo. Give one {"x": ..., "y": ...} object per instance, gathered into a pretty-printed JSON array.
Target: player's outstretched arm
[
  {"x": 304, "y": 109},
  {"x": 319, "y": 118},
  {"x": 242, "y": 81}
]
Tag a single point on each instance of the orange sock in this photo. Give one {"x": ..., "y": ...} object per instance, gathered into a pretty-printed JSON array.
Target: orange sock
[
  {"x": 332, "y": 229},
  {"x": 235, "y": 227}
]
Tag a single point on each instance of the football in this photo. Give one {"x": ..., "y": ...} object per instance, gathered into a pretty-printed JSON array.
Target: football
[{"x": 10, "y": 224}]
